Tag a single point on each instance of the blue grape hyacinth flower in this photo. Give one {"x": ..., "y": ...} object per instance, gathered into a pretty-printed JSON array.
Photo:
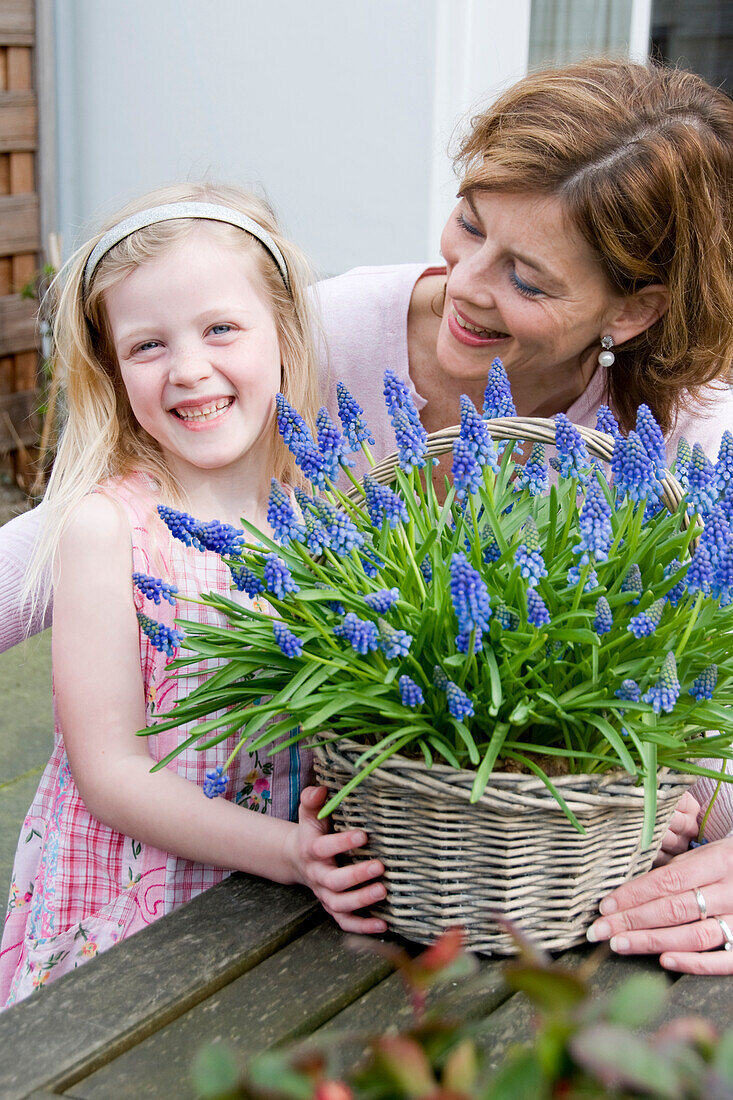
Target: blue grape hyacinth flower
[
  {"x": 471, "y": 602},
  {"x": 533, "y": 476},
  {"x": 537, "y": 613},
  {"x": 704, "y": 686},
  {"x": 221, "y": 538},
  {"x": 702, "y": 489},
  {"x": 466, "y": 471},
  {"x": 360, "y": 633},
  {"x": 289, "y": 643},
  {"x": 166, "y": 639},
  {"x": 383, "y": 600},
  {"x": 682, "y": 461},
  {"x": 245, "y": 579},
  {"x": 398, "y": 398},
  {"x": 278, "y": 578},
  {"x": 606, "y": 422},
  {"x": 475, "y": 432},
  {"x": 633, "y": 469},
  {"x": 498, "y": 400},
  {"x": 663, "y": 695},
  {"x": 651, "y": 436},
  {"x": 507, "y": 618},
  {"x": 334, "y": 446},
  {"x": 215, "y": 782},
  {"x": 460, "y": 705},
  {"x": 282, "y": 517},
  {"x": 646, "y": 622},
  {"x": 632, "y": 582},
  {"x": 410, "y": 692},
  {"x": 594, "y": 522},
  {"x": 393, "y": 643},
  {"x": 528, "y": 555},
  {"x": 573, "y": 459},
  {"x": 628, "y": 692},
  {"x": 603, "y": 621},
  {"x": 699, "y": 576},
  {"x": 383, "y": 504},
  {"x": 724, "y": 464},
  {"x": 155, "y": 588},
  {"x": 352, "y": 418}
]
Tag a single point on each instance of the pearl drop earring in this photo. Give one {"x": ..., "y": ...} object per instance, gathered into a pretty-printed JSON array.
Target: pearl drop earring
[{"x": 606, "y": 357}]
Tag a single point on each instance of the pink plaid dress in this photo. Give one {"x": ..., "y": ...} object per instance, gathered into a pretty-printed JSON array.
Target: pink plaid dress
[{"x": 77, "y": 885}]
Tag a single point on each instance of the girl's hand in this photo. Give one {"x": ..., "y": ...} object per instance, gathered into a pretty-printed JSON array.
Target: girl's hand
[
  {"x": 682, "y": 829},
  {"x": 340, "y": 890},
  {"x": 659, "y": 912}
]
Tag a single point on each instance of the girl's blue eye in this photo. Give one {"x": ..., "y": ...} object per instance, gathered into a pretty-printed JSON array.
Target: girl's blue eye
[
  {"x": 467, "y": 227},
  {"x": 523, "y": 288},
  {"x": 147, "y": 346},
  {"x": 220, "y": 330}
]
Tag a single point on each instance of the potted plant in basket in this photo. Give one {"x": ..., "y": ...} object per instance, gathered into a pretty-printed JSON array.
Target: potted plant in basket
[{"x": 508, "y": 688}]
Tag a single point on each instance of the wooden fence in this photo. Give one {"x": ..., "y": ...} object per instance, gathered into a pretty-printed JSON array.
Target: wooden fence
[{"x": 19, "y": 239}]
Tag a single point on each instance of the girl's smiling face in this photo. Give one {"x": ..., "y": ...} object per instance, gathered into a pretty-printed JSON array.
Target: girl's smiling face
[
  {"x": 523, "y": 285},
  {"x": 198, "y": 353}
]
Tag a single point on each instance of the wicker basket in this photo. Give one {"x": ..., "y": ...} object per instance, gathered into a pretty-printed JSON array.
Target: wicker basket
[{"x": 513, "y": 854}]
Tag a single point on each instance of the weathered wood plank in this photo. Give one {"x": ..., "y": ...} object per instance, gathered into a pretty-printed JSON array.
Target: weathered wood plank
[
  {"x": 18, "y": 122},
  {"x": 19, "y": 64},
  {"x": 18, "y": 410},
  {"x": 22, "y": 173},
  {"x": 17, "y": 324},
  {"x": 23, "y": 267},
  {"x": 19, "y": 230},
  {"x": 16, "y": 23},
  {"x": 287, "y": 995},
  {"x": 26, "y": 370},
  {"x": 110, "y": 1004},
  {"x": 695, "y": 995}
]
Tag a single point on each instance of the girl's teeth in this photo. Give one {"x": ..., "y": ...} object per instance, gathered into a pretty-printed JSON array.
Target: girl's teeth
[
  {"x": 205, "y": 412},
  {"x": 485, "y": 332}
]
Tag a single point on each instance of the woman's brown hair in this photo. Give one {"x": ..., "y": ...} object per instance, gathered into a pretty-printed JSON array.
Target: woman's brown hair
[{"x": 642, "y": 156}]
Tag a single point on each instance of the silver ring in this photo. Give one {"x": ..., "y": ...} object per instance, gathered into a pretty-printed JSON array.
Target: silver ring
[
  {"x": 701, "y": 904},
  {"x": 727, "y": 934}
]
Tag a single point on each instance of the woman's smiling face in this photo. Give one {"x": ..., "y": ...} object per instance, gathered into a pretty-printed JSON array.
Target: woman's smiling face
[{"x": 522, "y": 284}]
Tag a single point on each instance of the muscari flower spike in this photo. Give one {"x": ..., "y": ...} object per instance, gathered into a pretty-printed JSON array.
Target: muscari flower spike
[
  {"x": 215, "y": 782},
  {"x": 334, "y": 446},
  {"x": 651, "y": 436},
  {"x": 606, "y": 422},
  {"x": 534, "y": 474},
  {"x": 471, "y": 602},
  {"x": 460, "y": 705},
  {"x": 166, "y": 639},
  {"x": 383, "y": 504},
  {"x": 722, "y": 581},
  {"x": 717, "y": 533},
  {"x": 426, "y": 568},
  {"x": 410, "y": 692},
  {"x": 475, "y": 432},
  {"x": 594, "y": 522},
  {"x": 629, "y": 691},
  {"x": 491, "y": 551},
  {"x": 282, "y": 517},
  {"x": 633, "y": 469},
  {"x": 632, "y": 582},
  {"x": 361, "y": 633},
  {"x": 155, "y": 589},
  {"x": 383, "y": 600},
  {"x": 411, "y": 440},
  {"x": 572, "y": 459},
  {"x": 675, "y": 594},
  {"x": 439, "y": 678},
  {"x": 646, "y": 622},
  {"x": 352, "y": 418},
  {"x": 603, "y": 621},
  {"x": 289, "y": 643},
  {"x": 528, "y": 555},
  {"x": 666, "y": 691},
  {"x": 704, "y": 686},
  {"x": 278, "y": 578},
  {"x": 291, "y": 425},
  {"x": 466, "y": 471},
  {"x": 537, "y": 613},
  {"x": 574, "y": 574},
  {"x": 724, "y": 464},
  {"x": 343, "y": 534},
  {"x": 398, "y": 398},
  {"x": 221, "y": 538},
  {"x": 699, "y": 576},
  {"x": 506, "y": 617},
  {"x": 371, "y": 563},
  {"x": 498, "y": 401},
  {"x": 702, "y": 489},
  {"x": 393, "y": 643},
  {"x": 245, "y": 580}
]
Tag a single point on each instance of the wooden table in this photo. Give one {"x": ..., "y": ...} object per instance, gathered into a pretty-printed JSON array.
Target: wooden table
[{"x": 248, "y": 963}]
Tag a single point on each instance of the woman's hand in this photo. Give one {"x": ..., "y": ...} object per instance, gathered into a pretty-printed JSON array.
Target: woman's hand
[
  {"x": 682, "y": 829},
  {"x": 659, "y": 912},
  {"x": 340, "y": 890}
]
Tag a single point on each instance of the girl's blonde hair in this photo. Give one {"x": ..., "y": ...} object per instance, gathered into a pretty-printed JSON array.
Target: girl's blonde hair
[
  {"x": 101, "y": 438},
  {"x": 642, "y": 158}
]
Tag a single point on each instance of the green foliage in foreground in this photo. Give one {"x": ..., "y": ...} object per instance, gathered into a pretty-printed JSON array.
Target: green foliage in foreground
[{"x": 584, "y": 1047}]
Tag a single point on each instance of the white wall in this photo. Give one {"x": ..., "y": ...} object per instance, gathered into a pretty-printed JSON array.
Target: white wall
[{"x": 327, "y": 104}]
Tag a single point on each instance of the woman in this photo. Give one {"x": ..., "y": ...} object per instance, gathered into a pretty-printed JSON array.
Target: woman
[{"x": 591, "y": 251}]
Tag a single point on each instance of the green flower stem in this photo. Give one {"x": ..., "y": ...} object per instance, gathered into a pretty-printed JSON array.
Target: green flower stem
[
  {"x": 410, "y": 551},
  {"x": 706, "y": 815},
  {"x": 367, "y": 453},
  {"x": 488, "y": 502},
  {"x": 572, "y": 498},
  {"x": 679, "y": 648}
]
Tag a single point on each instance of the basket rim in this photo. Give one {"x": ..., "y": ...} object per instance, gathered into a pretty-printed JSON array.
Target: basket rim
[
  {"x": 583, "y": 789},
  {"x": 537, "y": 429}
]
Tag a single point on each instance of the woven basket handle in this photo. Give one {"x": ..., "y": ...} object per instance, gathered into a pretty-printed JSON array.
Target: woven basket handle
[{"x": 536, "y": 429}]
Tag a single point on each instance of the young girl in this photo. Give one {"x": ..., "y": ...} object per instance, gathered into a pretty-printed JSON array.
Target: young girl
[{"x": 175, "y": 329}]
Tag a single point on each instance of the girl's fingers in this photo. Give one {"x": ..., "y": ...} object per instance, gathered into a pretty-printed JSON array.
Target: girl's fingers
[
  {"x": 328, "y": 845},
  {"x": 354, "y": 874},
  {"x": 664, "y": 912},
  {"x": 693, "y": 962},
  {"x": 363, "y": 926},
  {"x": 349, "y": 900},
  {"x": 703, "y": 935},
  {"x": 674, "y": 844}
]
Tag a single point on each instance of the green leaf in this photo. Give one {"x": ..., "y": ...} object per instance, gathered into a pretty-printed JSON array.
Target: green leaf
[
  {"x": 614, "y": 738},
  {"x": 649, "y": 754},
  {"x": 638, "y": 1000},
  {"x": 723, "y": 1059},
  {"x": 618, "y": 1059},
  {"x": 549, "y": 989},
  {"x": 501, "y": 729},
  {"x": 214, "y": 1073},
  {"x": 519, "y": 1078}
]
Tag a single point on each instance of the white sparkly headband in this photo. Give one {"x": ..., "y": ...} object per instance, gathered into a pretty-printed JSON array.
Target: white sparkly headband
[{"x": 169, "y": 212}]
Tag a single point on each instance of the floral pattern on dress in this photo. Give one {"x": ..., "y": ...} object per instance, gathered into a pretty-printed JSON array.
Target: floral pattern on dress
[{"x": 256, "y": 792}]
